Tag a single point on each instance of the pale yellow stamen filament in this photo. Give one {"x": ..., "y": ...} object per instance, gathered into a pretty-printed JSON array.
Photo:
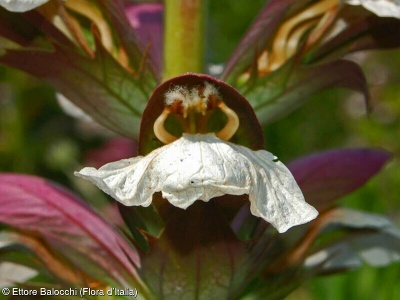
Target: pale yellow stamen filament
[
  {"x": 231, "y": 126},
  {"x": 159, "y": 130},
  {"x": 262, "y": 63},
  {"x": 91, "y": 12},
  {"x": 192, "y": 107},
  {"x": 323, "y": 24},
  {"x": 278, "y": 55},
  {"x": 294, "y": 40},
  {"x": 226, "y": 133}
]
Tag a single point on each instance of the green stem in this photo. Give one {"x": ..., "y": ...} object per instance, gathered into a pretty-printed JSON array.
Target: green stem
[{"x": 184, "y": 37}]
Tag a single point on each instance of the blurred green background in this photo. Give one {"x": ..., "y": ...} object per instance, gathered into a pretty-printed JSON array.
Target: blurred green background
[{"x": 36, "y": 137}]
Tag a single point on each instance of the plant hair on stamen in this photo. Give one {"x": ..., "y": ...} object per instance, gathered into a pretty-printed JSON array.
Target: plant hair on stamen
[{"x": 196, "y": 99}]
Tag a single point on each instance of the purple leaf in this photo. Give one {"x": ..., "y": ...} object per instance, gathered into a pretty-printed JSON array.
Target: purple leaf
[
  {"x": 35, "y": 205},
  {"x": 147, "y": 20},
  {"x": 326, "y": 176}
]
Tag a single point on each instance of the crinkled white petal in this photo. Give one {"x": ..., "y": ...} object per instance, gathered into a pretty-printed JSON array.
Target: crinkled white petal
[
  {"x": 382, "y": 8},
  {"x": 21, "y": 5},
  {"x": 201, "y": 167}
]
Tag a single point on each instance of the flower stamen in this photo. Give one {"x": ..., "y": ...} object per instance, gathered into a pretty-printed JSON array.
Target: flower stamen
[
  {"x": 231, "y": 126},
  {"x": 279, "y": 46},
  {"x": 159, "y": 130},
  {"x": 192, "y": 107},
  {"x": 323, "y": 24}
]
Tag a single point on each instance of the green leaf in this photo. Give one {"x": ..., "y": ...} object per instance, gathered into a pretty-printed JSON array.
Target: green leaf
[
  {"x": 139, "y": 219},
  {"x": 273, "y": 103},
  {"x": 261, "y": 90}
]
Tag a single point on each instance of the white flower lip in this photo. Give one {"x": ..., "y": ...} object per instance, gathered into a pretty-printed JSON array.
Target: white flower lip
[
  {"x": 201, "y": 167},
  {"x": 21, "y": 5},
  {"x": 382, "y": 8}
]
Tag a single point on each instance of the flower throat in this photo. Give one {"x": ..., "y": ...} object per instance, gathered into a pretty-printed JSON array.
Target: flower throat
[{"x": 192, "y": 108}]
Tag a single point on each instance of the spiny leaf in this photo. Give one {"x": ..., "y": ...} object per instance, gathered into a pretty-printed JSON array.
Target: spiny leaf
[
  {"x": 115, "y": 10},
  {"x": 100, "y": 86},
  {"x": 139, "y": 219},
  {"x": 306, "y": 81}
]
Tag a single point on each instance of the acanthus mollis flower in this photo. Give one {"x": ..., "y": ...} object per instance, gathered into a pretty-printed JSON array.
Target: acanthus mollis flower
[
  {"x": 382, "y": 8},
  {"x": 201, "y": 165},
  {"x": 21, "y": 5}
]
